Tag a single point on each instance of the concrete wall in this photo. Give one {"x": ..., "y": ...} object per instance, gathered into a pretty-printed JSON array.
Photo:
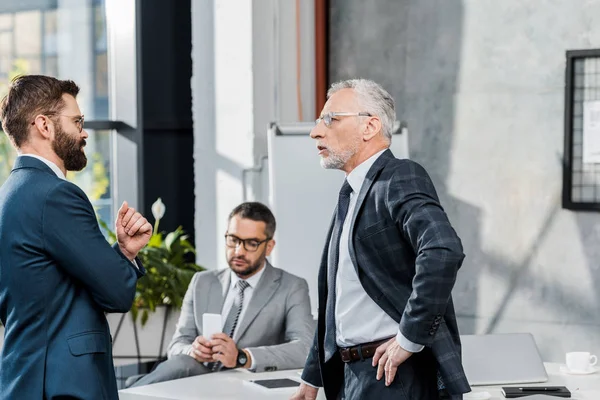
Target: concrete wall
[{"x": 481, "y": 85}]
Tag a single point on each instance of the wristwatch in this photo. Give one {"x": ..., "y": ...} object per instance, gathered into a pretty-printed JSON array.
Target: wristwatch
[{"x": 242, "y": 359}]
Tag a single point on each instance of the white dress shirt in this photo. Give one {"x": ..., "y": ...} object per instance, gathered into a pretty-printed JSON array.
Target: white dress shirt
[
  {"x": 231, "y": 293},
  {"x": 358, "y": 318}
]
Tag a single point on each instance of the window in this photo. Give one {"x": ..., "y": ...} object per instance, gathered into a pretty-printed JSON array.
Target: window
[{"x": 47, "y": 37}]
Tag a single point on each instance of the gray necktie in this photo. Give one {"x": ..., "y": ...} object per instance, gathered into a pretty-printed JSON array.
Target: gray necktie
[
  {"x": 330, "y": 345},
  {"x": 236, "y": 308},
  {"x": 233, "y": 316}
]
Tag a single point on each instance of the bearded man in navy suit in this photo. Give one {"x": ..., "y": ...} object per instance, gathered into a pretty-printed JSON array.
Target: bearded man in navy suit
[{"x": 58, "y": 274}]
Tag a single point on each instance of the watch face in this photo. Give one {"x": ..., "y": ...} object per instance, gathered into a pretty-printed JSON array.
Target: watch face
[{"x": 242, "y": 359}]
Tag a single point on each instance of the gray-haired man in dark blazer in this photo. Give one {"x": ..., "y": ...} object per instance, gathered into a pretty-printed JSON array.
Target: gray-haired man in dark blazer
[
  {"x": 387, "y": 327},
  {"x": 268, "y": 325}
]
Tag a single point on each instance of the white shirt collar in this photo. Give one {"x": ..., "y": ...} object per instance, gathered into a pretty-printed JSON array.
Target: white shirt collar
[
  {"x": 357, "y": 176},
  {"x": 49, "y": 163},
  {"x": 252, "y": 281}
]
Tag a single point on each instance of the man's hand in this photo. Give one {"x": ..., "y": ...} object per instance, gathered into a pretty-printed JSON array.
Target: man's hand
[
  {"x": 305, "y": 392},
  {"x": 201, "y": 350},
  {"x": 389, "y": 356},
  {"x": 133, "y": 231},
  {"x": 224, "y": 350}
]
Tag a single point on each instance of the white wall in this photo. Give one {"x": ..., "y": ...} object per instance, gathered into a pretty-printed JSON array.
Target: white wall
[{"x": 244, "y": 77}]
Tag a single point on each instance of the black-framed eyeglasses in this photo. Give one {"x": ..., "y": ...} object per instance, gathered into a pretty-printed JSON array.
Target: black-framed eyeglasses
[
  {"x": 329, "y": 117},
  {"x": 78, "y": 119},
  {"x": 250, "y": 245}
]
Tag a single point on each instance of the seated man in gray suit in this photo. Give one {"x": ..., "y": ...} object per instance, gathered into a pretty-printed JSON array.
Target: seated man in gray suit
[{"x": 266, "y": 311}]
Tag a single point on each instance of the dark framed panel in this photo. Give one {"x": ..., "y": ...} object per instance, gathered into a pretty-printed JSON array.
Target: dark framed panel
[{"x": 581, "y": 180}]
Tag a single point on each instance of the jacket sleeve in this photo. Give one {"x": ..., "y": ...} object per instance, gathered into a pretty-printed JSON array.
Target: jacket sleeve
[
  {"x": 312, "y": 373},
  {"x": 298, "y": 334},
  {"x": 72, "y": 237},
  {"x": 414, "y": 205},
  {"x": 185, "y": 332}
]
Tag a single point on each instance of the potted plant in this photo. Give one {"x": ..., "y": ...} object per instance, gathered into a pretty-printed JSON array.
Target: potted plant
[{"x": 169, "y": 262}]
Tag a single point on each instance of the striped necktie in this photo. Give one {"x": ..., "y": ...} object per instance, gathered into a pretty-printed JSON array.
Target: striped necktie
[{"x": 233, "y": 316}]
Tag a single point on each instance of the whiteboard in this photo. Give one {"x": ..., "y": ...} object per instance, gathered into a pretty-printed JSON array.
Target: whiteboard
[{"x": 302, "y": 196}]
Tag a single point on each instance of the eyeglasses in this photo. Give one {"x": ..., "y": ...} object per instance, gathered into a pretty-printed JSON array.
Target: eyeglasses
[
  {"x": 329, "y": 117},
  {"x": 78, "y": 119},
  {"x": 250, "y": 245}
]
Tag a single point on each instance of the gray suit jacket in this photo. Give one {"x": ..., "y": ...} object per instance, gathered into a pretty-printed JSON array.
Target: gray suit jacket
[
  {"x": 277, "y": 327},
  {"x": 406, "y": 255}
]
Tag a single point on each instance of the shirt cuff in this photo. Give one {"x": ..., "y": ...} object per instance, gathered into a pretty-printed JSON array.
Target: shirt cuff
[
  {"x": 407, "y": 344},
  {"x": 309, "y": 384},
  {"x": 253, "y": 365}
]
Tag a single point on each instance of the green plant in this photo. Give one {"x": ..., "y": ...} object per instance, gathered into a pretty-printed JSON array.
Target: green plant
[{"x": 168, "y": 259}]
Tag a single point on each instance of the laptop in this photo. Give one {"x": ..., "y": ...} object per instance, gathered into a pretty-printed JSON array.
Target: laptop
[{"x": 502, "y": 359}]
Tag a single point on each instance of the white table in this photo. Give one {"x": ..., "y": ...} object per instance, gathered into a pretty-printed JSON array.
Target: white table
[
  {"x": 582, "y": 387},
  {"x": 232, "y": 385}
]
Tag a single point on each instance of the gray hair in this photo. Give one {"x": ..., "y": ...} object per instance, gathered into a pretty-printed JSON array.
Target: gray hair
[{"x": 373, "y": 99}]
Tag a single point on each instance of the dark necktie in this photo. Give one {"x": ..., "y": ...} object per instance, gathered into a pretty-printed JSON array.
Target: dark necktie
[
  {"x": 233, "y": 316},
  {"x": 330, "y": 345}
]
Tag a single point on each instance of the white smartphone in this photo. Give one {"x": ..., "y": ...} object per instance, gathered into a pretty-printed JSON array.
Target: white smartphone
[{"x": 211, "y": 324}]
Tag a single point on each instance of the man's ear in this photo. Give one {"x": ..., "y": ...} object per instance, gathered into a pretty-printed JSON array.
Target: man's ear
[
  {"x": 43, "y": 126},
  {"x": 372, "y": 128},
  {"x": 270, "y": 246}
]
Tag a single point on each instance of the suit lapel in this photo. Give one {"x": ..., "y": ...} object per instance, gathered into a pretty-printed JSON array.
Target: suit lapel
[
  {"x": 364, "y": 190},
  {"x": 264, "y": 290},
  {"x": 208, "y": 296},
  {"x": 215, "y": 299}
]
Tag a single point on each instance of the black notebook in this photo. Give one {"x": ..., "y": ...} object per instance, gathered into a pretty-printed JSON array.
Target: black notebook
[{"x": 523, "y": 391}]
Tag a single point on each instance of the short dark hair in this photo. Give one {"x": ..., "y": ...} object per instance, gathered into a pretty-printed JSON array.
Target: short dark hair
[
  {"x": 29, "y": 95},
  {"x": 256, "y": 212}
]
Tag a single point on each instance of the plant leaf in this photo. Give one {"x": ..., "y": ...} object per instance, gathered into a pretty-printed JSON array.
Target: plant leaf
[
  {"x": 169, "y": 270},
  {"x": 155, "y": 240},
  {"x": 144, "y": 317}
]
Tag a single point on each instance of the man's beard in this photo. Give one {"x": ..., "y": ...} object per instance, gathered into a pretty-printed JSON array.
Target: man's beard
[
  {"x": 70, "y": 150},
  {"x": 250, "y": 268},
  {"x": 337, "y": 160}
]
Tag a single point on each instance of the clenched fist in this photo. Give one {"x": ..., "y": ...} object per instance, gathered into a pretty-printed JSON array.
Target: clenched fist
[{"x": 133, "y": 231}]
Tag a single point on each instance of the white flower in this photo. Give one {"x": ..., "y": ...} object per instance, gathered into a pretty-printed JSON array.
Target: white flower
[{"x": 158, "y": 209}]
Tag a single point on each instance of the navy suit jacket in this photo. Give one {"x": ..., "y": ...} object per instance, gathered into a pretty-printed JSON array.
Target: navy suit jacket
[
  {"x": 58, "y": 276},
  {"x": 406, "y": 255}
]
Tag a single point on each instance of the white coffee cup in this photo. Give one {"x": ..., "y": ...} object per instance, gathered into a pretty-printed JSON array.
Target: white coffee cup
[{"x": 580, "y": 361}]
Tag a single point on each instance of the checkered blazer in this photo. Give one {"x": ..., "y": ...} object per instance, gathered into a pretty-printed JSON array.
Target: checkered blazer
[{"x": 407, "y": 256}]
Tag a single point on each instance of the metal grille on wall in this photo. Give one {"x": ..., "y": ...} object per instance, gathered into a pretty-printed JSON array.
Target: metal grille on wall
[{"x": 581, "y": 167}]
